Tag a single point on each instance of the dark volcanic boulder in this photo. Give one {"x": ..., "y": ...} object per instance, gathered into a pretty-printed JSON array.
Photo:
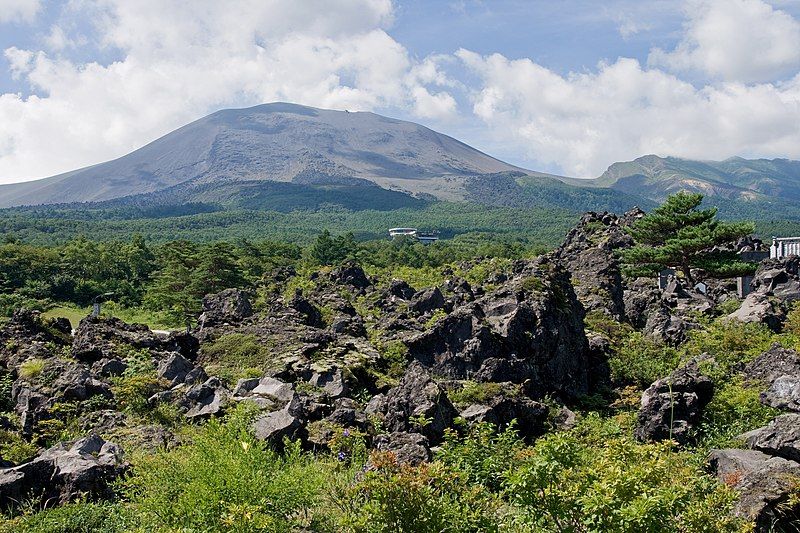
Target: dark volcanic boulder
[
  {"x": 63, "y": 473},
  {"x": 665, "y": 327},
  {"x": 407, "y": 448},
  {"x": 764, "y": 483},
  {"x": 781, "y": 437},
  {"x": 285, "y": 423},
  {"x": 227, "y": 307},
  {"x": 311, "y": 316},
  {"x": 427, "y": 301},
  {"x": 779, "y": 369},
  {"x": 418, "y": 404},
  {"x": 530, "y": 416},
  {"x": 672, "y": 406},
  {"x": 588, "y": 253},
  {"x": 400, "y": 289},
  {"x": 775, "y": 287},
  {"x": 772, "y": 364},
  {"x": 350, "y": 274},
  {"x": 205, "y": 399},
  {"x": 783, "y": 393}
]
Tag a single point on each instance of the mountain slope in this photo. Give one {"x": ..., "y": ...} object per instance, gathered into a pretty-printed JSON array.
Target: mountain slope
[
  {"x": 736, "y": 178},
  {"x": 277, "y": 142}
]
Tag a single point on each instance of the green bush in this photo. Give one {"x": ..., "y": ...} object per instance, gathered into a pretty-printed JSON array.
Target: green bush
[
  {"x": 569, "y": 483},
  {"x": 132, "y": 391},
  {"x": 640, "y": 361},
  {"x": 430, "y": 498},
  {"x": 483, "y": 456},
  {"x": 78, "y": 517},
  {"x": 734, "y": 409},
  {"x": 731, "y": 343},
  {"x": 31, "y": 368},
  {"x": 480, "y": 392},
  {"x": 226, "y": 480},
  {"x": 14, "y": 448}
]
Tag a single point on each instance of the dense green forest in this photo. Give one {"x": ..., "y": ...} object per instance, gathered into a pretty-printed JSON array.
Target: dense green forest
[
  {"x": 205, "y": 222},
  {"x": 169, "y": 279}
]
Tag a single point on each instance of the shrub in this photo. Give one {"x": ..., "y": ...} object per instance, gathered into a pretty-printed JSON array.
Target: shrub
[
  {"x": 731, "y": 343},
  {"x": 427, "y": 498},
  {"x": 226, "y": 480},
  {"x": 570, "y": 483},
  {"x": 641, "y": 361},
  {"x": 480, "y": 392},
  {"x": 14, "y": 448},
  {"x": 132, "y": 391},
  {"x": 734, "y": 409},
  {"x": 77, "y": 517},
  {"x": 483, "y": 456},
  {"x": 6, "y": 384},
  {"x": 31, "y": 368}
]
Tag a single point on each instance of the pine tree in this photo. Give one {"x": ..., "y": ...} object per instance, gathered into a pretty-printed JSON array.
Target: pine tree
[{"x": 678, "y": 235}]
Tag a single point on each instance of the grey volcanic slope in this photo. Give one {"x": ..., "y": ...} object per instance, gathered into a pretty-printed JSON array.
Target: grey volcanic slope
[{"x": 277, "y": 142}]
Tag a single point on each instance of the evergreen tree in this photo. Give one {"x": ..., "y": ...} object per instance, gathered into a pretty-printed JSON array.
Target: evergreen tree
[
  {"x": 678, "y": 235},
  {"x": 328, "y": 250}
]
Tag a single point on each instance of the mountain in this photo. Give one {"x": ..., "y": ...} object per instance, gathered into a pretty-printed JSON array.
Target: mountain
[
  {"x": 286, "y": 157},
  {"x": 278, "y": 142},
  {"x": 736, "y": 178}
]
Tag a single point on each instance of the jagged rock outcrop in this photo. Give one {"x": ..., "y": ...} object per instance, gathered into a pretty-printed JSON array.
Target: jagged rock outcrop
[
  {"x": 588, "y": 253},
  {"x": 530, "y": 416},
  {"x": 775, "y": 287},
  {"x": 63, "y": 473},
  {"x": 406, "y": 448},
  {"x": 352, "y": 275},
  {"x": 417, "y": 404},
  {"x": 530, "y": 330},
  {"x": 227, "y": 307},
  {"x": 672, "y": 406},
  {"x": 779, "y": 370},
  {"x": 97, "y": 338},
  {"x": 27, "y": 335}
]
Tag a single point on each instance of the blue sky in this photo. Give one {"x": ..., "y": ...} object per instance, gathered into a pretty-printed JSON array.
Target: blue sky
[{"x": 565, "y": 86}]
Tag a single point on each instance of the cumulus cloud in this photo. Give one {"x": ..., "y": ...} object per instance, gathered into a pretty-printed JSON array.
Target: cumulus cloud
[
  {"x": 18, "y": 10},
  {"x": 735, "y": 40},
  {"x": 180, "y": 59},
  {"x": 582, "y": 122}
]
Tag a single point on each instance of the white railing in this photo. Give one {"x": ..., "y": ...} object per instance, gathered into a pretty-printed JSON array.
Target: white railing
[{"x": 784, "y": 246}]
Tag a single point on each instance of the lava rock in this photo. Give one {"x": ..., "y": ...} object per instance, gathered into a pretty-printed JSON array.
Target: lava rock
[
  {"x": 672, "y": 407},
  {"x": 764, "y": 484},
  {"x": 780, "y": 438},
  {"x": 230, "y": 306},
  {"x": 426, "y": 301},
  {"x": 64, "y": 473},
  {"x": 419, "y": 397},
  {"x": 407, "y": 448}
]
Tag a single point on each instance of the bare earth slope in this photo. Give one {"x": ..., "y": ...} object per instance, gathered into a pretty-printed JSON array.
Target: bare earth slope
[{"x": 277, "y": 142}]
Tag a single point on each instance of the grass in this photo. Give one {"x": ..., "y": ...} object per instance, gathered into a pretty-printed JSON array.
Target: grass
[
  {"x": 74, "y": 314},
  {"x": 31, "y": 368}
]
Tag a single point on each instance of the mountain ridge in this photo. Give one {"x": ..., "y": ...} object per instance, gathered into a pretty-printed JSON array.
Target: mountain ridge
[{"x": 282, "y": 156}]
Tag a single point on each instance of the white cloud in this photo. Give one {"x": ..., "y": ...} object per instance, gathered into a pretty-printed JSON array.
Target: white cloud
[
  {"x": 735, "y": 40},
  {"x": 181, "y": 59},
  {"x": 18, "y": 10},
  {"x": 583, "y": 122}
]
